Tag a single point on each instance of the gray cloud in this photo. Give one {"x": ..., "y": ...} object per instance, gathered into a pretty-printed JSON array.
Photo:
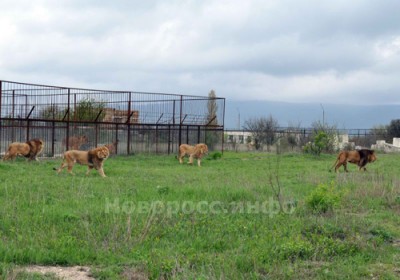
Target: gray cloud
[{"x": 300, "y": 51}]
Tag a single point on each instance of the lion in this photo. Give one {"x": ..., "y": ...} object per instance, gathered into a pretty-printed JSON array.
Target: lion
[
  {"x": 112, "y": 147},
  {"x": 30, "y": 149},
  {"x": 196, "y": 151},
  {"x": 359, "y": 157},
  {"x": 75, "y": 142},
  {"x": 93, "y": 159}
]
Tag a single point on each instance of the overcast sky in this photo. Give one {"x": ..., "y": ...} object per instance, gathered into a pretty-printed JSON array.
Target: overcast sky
[{"x": 296, "y": 51}]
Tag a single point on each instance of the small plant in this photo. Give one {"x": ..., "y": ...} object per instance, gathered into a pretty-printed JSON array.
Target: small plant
[
  {"x": 382, "y": 234},
  {"x": 215, "y": 156},
  {"x": 323, "y": 199},
  {"x": 162, "y": 190},
  {"x": 296, "y": 249}
]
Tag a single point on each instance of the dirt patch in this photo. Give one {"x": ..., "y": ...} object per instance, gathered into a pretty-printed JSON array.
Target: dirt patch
[{"x": 67, "y": 273}]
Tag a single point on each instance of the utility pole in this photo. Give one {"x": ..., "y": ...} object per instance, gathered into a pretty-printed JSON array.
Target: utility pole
[
  {"x": 238, "y": 118},
  {"x": 323, "y": 115}
]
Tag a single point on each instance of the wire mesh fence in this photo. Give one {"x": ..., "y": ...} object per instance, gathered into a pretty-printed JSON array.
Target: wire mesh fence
[{"x": 71, "y": 118}]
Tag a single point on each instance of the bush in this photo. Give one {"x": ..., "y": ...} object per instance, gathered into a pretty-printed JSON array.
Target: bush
[
  {"x": 215, "y": 156},
  {"x": 320, "y": 143},
  {"x": 323, "y": 199}
]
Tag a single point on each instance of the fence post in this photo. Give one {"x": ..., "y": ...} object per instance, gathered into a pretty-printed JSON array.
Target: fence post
[
  {"x": 223, "y": 125},
  {"x": 53, "y": 140},
  {"x": 68, "y": 120},
  {"x": 128, "y": 142},
  {"x": 156, "y": 138},
  {"x": 180, "y": 122},
  {"x": 96, "y": 134},
  {"x": 187, "y": 134},
  {"x": 198, "y": 134},
  {"x": 1, "y": 119},
  {"x": 169, "y": 139},
  {"x": 116, "y": 138}
]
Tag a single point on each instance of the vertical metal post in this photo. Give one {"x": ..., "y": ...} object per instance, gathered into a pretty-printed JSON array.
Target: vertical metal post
[
  {"x": 53, "y": 140},
  {"x": 187, "y": 134},
  {"x": 169, "y": 139},
  {"x": 116, "y": 138},
  {"x": 173, "y": 123},
  {"x": 13, "y": 104},
  {"x": 96, "y": 134},
  {"x": 173, "y": 112},
  {"x": 128, "y": 147},
  {"x": 13, "y": 116},
  {"x": 28, "y": 123},
  {"x": 223, "y": 128},
  {"x": 156, "y": 138},
  {"x": 68, "y": 119},
  {"x": 180, "y": 122},
  {"x": 1, "y": 119},
  {"x": 198, "y": 134},
  {"x": 74, "y": 116}
]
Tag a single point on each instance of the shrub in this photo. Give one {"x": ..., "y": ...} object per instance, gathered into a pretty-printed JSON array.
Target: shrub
[
  {"x": 296, "y": 249},
  {"x": 215, "y": 156},
  {"x": 320, "y": 143},
  {"x": 323, "y": 199}
]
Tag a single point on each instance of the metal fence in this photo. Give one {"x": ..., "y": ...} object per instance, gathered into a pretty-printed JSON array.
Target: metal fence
[
  {"x": 358, "y": 136},
  {"x": 134, "y": 121}
]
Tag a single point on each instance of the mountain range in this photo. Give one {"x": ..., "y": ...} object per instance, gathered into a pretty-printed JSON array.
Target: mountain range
[{"x": 304, "y": 114}]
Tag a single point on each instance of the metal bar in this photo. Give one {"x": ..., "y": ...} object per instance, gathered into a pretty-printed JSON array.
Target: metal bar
[
  {"x": 180, "y": 122},
  {"x": 213, "y": 118},
  {"x": 198, "y": 134},
  {"x": 65, "y": 115},
  {"x": 128, "y": 121},
  {"x": 68, "y": 120},
  {"x": 98, "y": 115},
  {"x": 187, "y": 135},
  {"x": 30, "y": 112},
  {"x": 13, "y": 103},
  {"x": 156, "y": 139},
  {"x": 183, "y": 119},
  {"x": 28, "y": 123},
  {"x": 169, "y": 139},
  {"x": 13, "y": 114},
  {"x": 53, "y": 140},
  {"x": 116, "y": 138},
  {"x": 160, "y": 118},
  {"x": 1, "y": 121},
  {"x": 223, "y": 125}
]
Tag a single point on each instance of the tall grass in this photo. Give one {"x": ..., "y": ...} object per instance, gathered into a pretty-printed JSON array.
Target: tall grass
[{"x": 155, "y": 218}]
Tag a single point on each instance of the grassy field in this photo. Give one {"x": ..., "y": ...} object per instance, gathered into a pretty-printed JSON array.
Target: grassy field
[{"x": 152, "y": 217}]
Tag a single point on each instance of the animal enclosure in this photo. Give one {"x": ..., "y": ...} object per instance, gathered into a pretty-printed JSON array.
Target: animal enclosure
[{"x": 71, "y": 118}]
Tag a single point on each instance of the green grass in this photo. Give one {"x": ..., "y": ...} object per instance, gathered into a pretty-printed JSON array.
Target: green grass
[{"x": 218, "y": 221}]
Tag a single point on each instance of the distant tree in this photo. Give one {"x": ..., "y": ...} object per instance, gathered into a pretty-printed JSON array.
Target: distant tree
[
  {"x": 88, "y": 109},
  {"x": 52, "y": 112},
  {"x": 380, "y": 132},
  {"x": 212, "y": 137},
  {"x": 393, "y": 129},
  {"x": 263, "y": 131},
  {"x": 293, "y": 136},
  {"x": 212, "y": 108},
  {"x": 324, "y": 139}
]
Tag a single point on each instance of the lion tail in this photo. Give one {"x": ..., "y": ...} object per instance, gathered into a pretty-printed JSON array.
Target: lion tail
[{"x": 337, "y": 160}]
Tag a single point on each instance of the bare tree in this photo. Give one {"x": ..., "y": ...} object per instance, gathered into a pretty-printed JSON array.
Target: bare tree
[{"x": 263, "y": 131}]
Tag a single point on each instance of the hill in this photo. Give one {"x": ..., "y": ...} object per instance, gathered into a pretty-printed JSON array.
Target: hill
[{"x": 343, "y": 116}]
